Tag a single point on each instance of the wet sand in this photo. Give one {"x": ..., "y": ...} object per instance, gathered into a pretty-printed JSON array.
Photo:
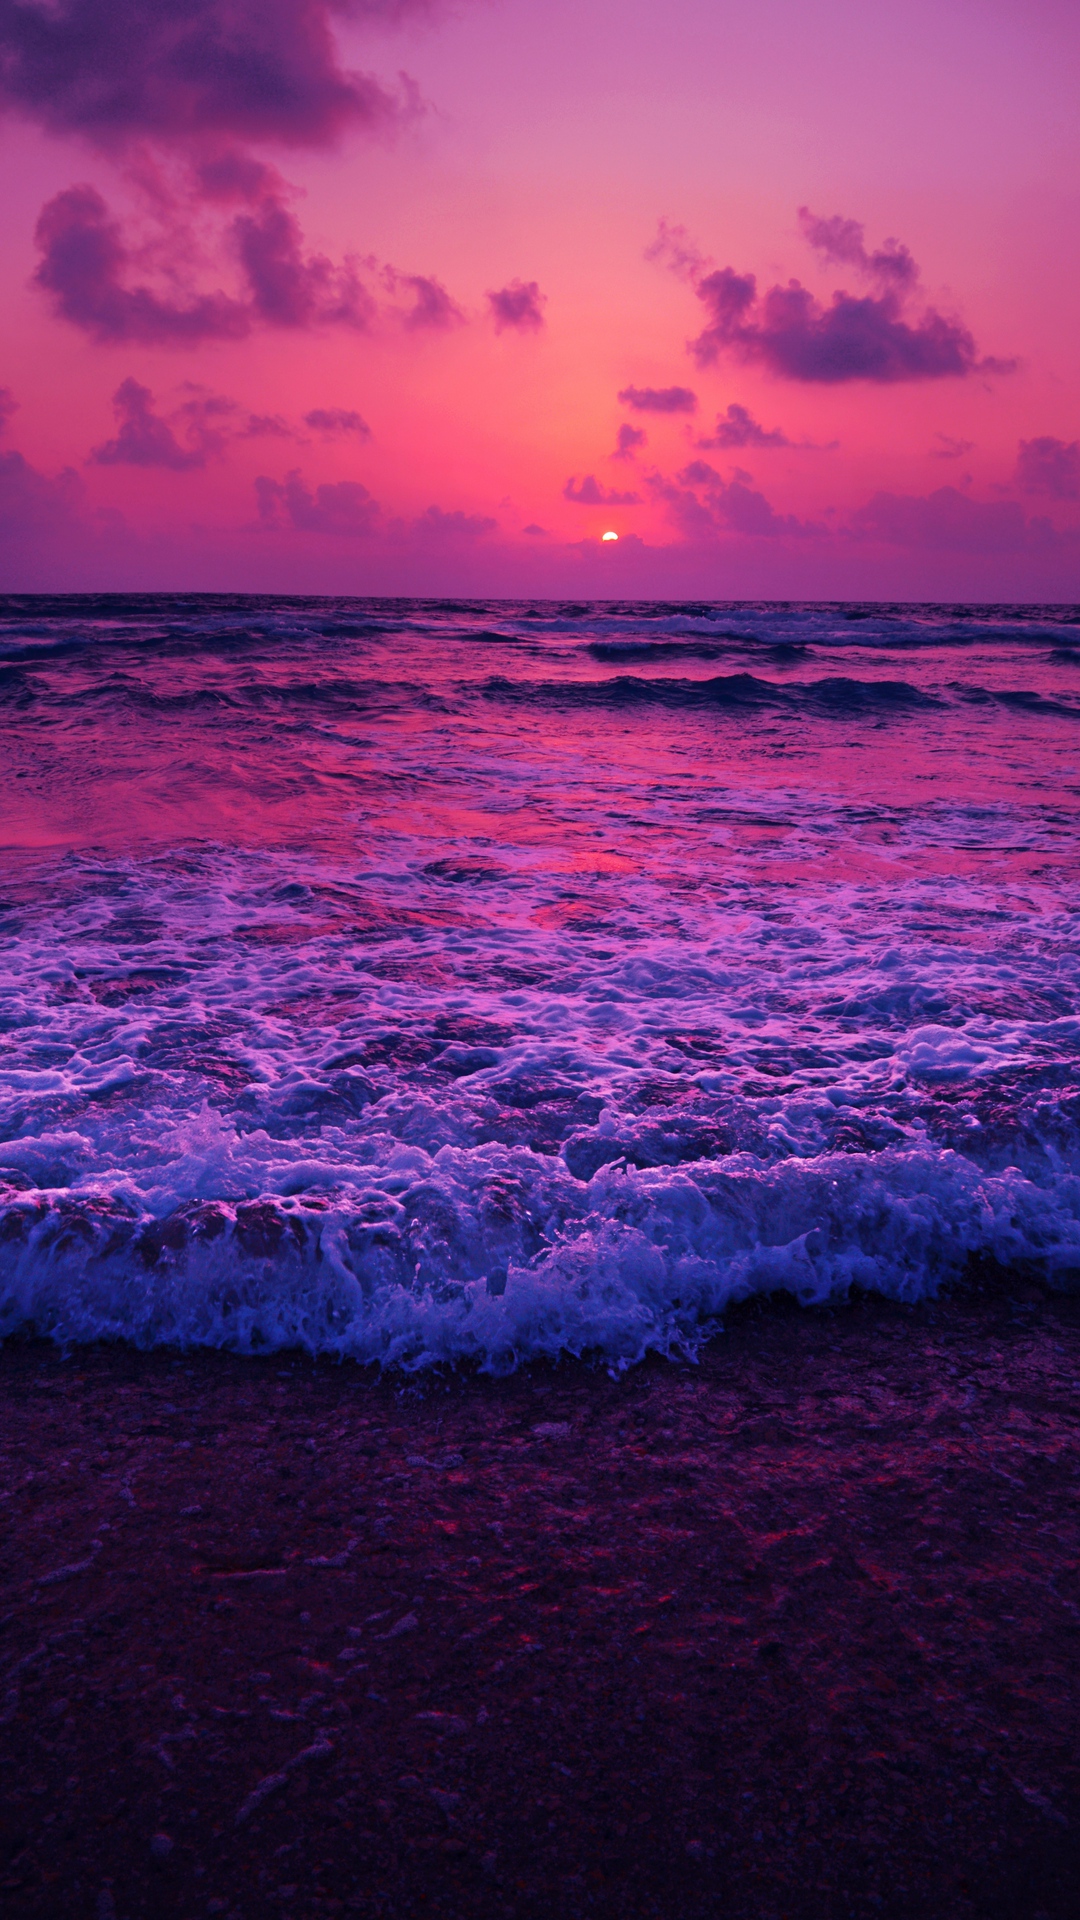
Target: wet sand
[{"x": 793, "y": 1632}]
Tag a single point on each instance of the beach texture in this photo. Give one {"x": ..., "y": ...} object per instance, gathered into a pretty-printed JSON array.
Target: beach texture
[{"x": 791, "y": 1632}]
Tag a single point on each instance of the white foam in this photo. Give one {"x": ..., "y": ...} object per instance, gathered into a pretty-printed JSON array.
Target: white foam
[{"x": 427, "y": 1260}]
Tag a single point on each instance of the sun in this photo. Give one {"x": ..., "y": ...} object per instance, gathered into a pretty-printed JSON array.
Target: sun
[{"x": 609, "y": 536}]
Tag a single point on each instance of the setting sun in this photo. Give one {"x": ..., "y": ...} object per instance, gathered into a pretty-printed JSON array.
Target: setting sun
[{"x": 609, "y": 536}]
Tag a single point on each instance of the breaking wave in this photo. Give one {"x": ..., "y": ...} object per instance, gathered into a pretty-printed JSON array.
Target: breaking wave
[{"x": 498, "y": 1256}]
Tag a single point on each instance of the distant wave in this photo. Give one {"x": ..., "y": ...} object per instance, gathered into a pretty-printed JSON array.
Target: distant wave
[
  {"x": 734, "y": 690},
  {"x": 116, "y": 693},
  {"x": 641, "y": 649}
]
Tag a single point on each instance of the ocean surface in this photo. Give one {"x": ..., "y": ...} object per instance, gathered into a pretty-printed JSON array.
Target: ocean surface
[{"x": 425, "y": 981}]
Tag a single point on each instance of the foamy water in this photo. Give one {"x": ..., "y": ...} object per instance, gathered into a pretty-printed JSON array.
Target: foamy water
[{"x": 419, "y": 982}]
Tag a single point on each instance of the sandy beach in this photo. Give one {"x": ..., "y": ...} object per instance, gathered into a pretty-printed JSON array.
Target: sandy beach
[{"x": 790, "y": 1632}]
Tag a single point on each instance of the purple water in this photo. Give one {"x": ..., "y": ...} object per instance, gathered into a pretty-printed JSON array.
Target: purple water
[{"x": 418, "y": 981}]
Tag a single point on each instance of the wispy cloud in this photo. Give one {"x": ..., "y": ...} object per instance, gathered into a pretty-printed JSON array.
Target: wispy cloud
[{"x": 949, "y": 448}]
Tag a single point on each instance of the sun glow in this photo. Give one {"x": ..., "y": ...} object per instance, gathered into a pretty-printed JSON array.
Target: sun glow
[{"x": 609, "y": 536}]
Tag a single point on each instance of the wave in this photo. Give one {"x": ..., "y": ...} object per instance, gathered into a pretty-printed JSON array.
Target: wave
[
  {"x": 839, "y": 694},
  {"x": 1022, "y": 699},
  {"x": 614, "y": 651},
  {"x": 116, "y": 693},
  {"x": 498, "y": 1257}
]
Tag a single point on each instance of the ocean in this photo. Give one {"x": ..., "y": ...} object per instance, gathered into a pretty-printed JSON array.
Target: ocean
[{"x": 428, "y": 982}]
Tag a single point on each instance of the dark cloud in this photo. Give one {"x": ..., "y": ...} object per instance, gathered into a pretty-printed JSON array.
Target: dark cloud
[
  {"x": 628, "y": 440},
  {"x": 844, "y": 243},
  {"x": 1046, "y": 465},
  {"x": 84, "y": 265},
  {"x": 950, "y": 449},
  {"x": 534, "y": 529},
  {"x": 288, "y": 290},
  {"x": 860, "y": 337},
  {"x": 589, "y": 493},
  {"x": 438, "y": 525},
  {"x": 738, "y": 428},
  {"x": 178, "y": 90},
  {"x": 432, "y": 309},
  {"x": 520, "y": 306},
  {"x": 337, "y": 420},
  {"x": 143, "y": 439},
  {"x": 338, "y": 507},
  {"x": 170, "y": 71},
  {"x": 659, "y": 399},
  {"x": 950, "y": 520},
  {"x": 869, "y": 336},
  {"x": 8, "y": 406}
]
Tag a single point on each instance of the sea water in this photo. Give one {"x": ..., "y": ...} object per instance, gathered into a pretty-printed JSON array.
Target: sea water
[{"x": 424, "y": 981}]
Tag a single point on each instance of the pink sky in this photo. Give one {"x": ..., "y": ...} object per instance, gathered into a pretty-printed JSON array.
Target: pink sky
[{"x": 271, "y": 326}]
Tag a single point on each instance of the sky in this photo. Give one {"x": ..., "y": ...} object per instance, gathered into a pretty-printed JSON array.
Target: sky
[{"x": 385, "y": 296}]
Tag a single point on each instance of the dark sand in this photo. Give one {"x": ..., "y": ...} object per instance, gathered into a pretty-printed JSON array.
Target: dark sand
[{"x": 793, "y": 1632}]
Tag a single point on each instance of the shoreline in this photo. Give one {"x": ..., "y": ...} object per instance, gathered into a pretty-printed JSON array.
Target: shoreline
[{"x": 786, "y": 1632}]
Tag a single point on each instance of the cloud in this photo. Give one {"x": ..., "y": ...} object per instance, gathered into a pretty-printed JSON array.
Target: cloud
[
  {"x": 234, "y": 175},
  {"x": 31, "y": 504},
  {"x": 432, "y": 308},
  {"x": 844, "y": 243},
  {"x": 437, "y": 525},
  {"x": 628, "y": 440},
  {"x": 186, "y": 71},
  {"x": 519, "y": 305},
  {"x": 286, "y": 289},
  {"x": 336, "y": 507},
  {"x": 738, "y": 428},
  {"x": 8, "y": 406},
  {"x": 675, "y": 248},
  {"x": 659, "y": 399},
  {"x": 213, "y": 418},
  {"x": 867, "y": 336},
  {"x": 84, "y": 261},
  {"x": 86, "y": 264},
  {"x": 589, "y": 493},
  {"x": 1046, "y": 465},
  {"x": 728, "y": 505},
  {"x": 266, "y": 426},
  {"x": 176, "y": 91},
  {"x": 145, "y": 440},
  {"x": 337, "y": 420},
  {"x": 856, "y": 338},
  {"x": 534, "y": 529},
  {"x": 949, "y": 519},
  {"x": 950, "y": 449}
]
